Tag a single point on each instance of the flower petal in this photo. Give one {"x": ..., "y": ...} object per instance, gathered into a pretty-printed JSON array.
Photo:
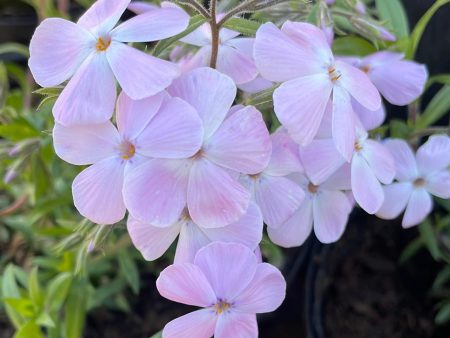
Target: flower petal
[
  {"x": 236, "y": 65},
  {"x": 192, "y": 238},
  {"x": 198, "y": 324},
  {"x": 155, "y": 192},
  {"x": 140, "y": 7},
  {"x": 331, "y": 210},
  {"x": 242, "y": 142},
  {"x": 199, "y": 37},
  {"x": 236, "y": 325},
  {"x": 434, "y": 155},
  {"x": 229, "y": 268},
  {"x": 285, "y": 158},
  {"x": 154, "y": 25},
  {"x": 151, "y": 241},
  {"x": 103, "y": 15},
  {"x": 214, "y": 198},
  {"x": 343, "y": 123},
  {"x": 396, "y": 196},
  {"x": 87, "y": 144},
  {"x": 358, "y": 84},
  {"x": 380, "y": 160},
  {"x": 278, "y": 198},
  {"x": 90, "y": 95},
  {"x": 97, "y": 191},
  {"x": 405, "y": 163},
  {"x": 265, "y": 293},
  {"x": 438, "y": 184},
  {"x": 419, "y": 207},
  {"x": 369, "y": 119},
  {"x": 296, "y": 229},
  {"x": 209, "y": 92},
  {"x": 365, "y": 186},
  {"x": 187, "y": 284},
  {"x": 141, "y": 75},
  {"x": 55, "y": 57},
  {"x": 300, "y": 105},
  {"x": 175, "y": 132}
]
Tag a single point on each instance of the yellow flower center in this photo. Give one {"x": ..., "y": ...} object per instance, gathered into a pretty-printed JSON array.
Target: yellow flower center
[
  {"x": 334, "y": 74},
  {"x": 127, "y": 150},
  {"x": 221, "y": 306},
  {"x": 365, "y": 69},
  {"x": 358, "y": 146},
  {"x": 102, "y": 44},
  {"x": 420, "y": 182}
]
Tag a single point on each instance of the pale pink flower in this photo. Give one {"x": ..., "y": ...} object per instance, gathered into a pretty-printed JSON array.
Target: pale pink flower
[
  {"x": 230, "y": 286},
  {"x": 326, "y": 207},
  {"x": 206, "y": 182},
  {"x": 140, "y": 7},
  {"x": 92, "y": 54},
  {"x": 277, "y": 196},
  {"x": 299, "y": 56},
  {"x": 153, "y": 241},
  {"x": 418, "y": 177},
  {"x": 155, "y": 127},
  {"x": 399, "y": 81}
]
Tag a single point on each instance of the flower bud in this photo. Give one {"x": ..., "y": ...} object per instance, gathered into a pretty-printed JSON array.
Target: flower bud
[{"x": 372, "y": 30}]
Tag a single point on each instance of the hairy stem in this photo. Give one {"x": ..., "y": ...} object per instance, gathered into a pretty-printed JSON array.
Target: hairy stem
[
  {"x": 195, "y": 5},
  {"x": 214, "y": 34}
]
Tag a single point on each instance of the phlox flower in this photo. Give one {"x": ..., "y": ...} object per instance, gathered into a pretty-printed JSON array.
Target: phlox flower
[
  {"x": 277, "y": 196},
  {"x": 418, "y": 177},
  {"x": 299, "y": 56},
  {"x": 157, "y": 192},
  {"x": 92, "y": 54},
  {"x": 155, "y": 127},
  {"x": 230, "y": 286},
  {"x": 325, "y": 208},
  {"x": 153, "y": 241}
]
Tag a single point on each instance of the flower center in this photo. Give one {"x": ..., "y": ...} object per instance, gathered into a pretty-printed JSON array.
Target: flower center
[
  {"x": 312, "y": 188},
  {"x": 420, "y": 182},
  {"x": 221, "y": 306},
  {"x": 358, "y": 146},
  {"x": 198, "y": 155},
  {"x": 127, "y": 150},
  {"x": 334, "y": 74},
  {"x": 102, "y": 44},
  {"x": 365, "y": 69}
]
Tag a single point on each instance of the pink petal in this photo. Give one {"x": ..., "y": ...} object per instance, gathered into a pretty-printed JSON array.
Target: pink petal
[
  {"x": 419, "y": 207},
  {"x": 326, "y": 126},
  {"x": 214, "y": 198},
  {"x": 434, "y": 155},
  {"x": 343, "y": 123},
  {"x": 358, "y": 84},
  {"x": 209, "y": 92},
  {"x": 175, "y": 132},
  {"x": 236, "y": 65},
  {"x": 365, "y": 186},
  {"x": 81, "y": 145},
  {"x": 151, "y": 241},
  {"x": 396, "y": 196},
  {"x": 199, "y": 37},
  {"x": 158, "y": 24},
  {"x": 90, "y": 95},
  {"x": 265, "y": 293},
  {"x": 155, "y": 192},
  {"x": 55, "y": 57},
  {"x": 134, "y": 115},
  {"x": 242, "y": 142},
  {"x": 97, "y": 192},
  {"x": 340, "y": 179},
  {"x": 140, "y": 7},
  {"x": 300, "y": 105},
  {"x": 255, "y": 86},
  {"x": 369, "y": 119},
  {"x": 320, "y": 160},
  {"x": 139, "y": 74},
  {"x": 229, "y": 268},
  {"x": 236, "y": 325},
  {"x": 198, "y": 324},
  {"x": 380, "y": 160},
  {"x": 192, "y": 238},
  {"x": 279, "y": 58},
  {"x": 296, "y": 229},
  {"x": 285, "y": 158},
  {"x": 103, "y": 15},
  {"x": 278, "y": 198},
  {"x": 405, "y": 163},
  {"x": 438, "y": 184},
  {"x": 186, "y": 283},
  {"x": 331, "y": 210}
]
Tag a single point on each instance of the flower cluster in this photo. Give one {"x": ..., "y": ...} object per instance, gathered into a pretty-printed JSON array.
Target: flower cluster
[{"x": 187, "y": 161}]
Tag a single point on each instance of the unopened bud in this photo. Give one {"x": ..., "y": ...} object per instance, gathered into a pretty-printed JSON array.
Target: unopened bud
[
  {"x": 360, "y": 7},
  {"x": 372, "y": 30},
  {"x": 10, "y": 175}
]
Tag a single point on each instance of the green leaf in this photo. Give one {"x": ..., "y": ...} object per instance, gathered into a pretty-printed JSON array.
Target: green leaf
[
  {"x": 44, "y": 319},
  {"x": 393, "y": 12},
  {"x": 411, "y": 249},
  {"x": 29, "y": 330},
  {"x": 443, "y": 79},
  {"x": 129, "y": 270},
  {"x": 417, "y": 33},
  {"x": 75, "y": 309},
  {"x": 23, "y": 306},
  {"x": 262, "y": 100},
  {"x": 436, "y": 109},
  {"x": 243, "y": 26},
  {"x": 353, "y": 46},
  {"x": 14, "y": 48},
  {"x": 442, "y": 278},
  {"x": 57, "y": 291},
  {"x": 157, "y": 335},
  {"x": 443, "y": 314},
  {"x": 399, "y": 129},
  {"x": 51, "y": 91},
  {"x": 429, "y": 237},
  {"x": 34, "y": 288},
  {"x": 10, "y": 289},
  {"x": 195, "y": 22}
]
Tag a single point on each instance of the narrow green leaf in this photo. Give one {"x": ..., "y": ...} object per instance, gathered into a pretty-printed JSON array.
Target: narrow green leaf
[
  {"x": 75, "y": 309},
  {"x": 14, "y": 48},
  {"x": 157, "y": 335},
  {"x": 411, "y": 249},
  {"x": 429, "y": 237},
  {"x": 262, "y": 100},
  {"x": 443, "y": 314},
  {"x": 10, "y": 289},
  {"x": 57, "y": 291},
  {"x": 34, "y": 288},
  {"x": 243, "y": 26},
  {"x": 393, "y": 12},
  {"x": 417, "y": 33},
  {"x": 443, "y": 79},
  {"x": 353, "y": 46},
  {"x": 23, "y": 306},
  {"x": 195, "y": 22},
  {"x": 51, "y": 91},
  {"x": 442, "y": 278},
  {"x": 129, "y": 270},
  {"x": 44, "y": 319},
  {"x": 29, "y": 330},
  {"x": 436, "y": 109}
]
